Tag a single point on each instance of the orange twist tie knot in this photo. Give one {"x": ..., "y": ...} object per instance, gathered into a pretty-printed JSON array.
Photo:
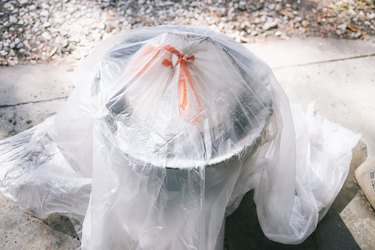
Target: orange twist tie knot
[{"x": 184, "y": 77}]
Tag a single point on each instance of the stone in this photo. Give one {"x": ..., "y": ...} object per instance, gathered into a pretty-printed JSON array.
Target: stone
[
  {"x": 242, "y": 6},
  {"x": 20, "y": 45},
  {"x": 270, "y": 25},
  {"x": 287, "y": 13},
  {"x": 17, "y": 41},
  {"x": 271, "y": 6},
  {"x": 305, "y": 23},
  {"x": 46, "y": 25},
  {"x": 32, "y": 7},
  {"x": 342, "y": 26},
  {"x": 12, "y": 19},
  {"x": 52, "y": 52},
  {"x": 46, "y": 35},
  {"x": 351, "y": 12},
  {"x": 23, "y": 2},
  {"x": 44, "y": 13},
  {"x": 358, "y": 34},
  {"x": 11, "y": 53},
  {"x": 75, "y": 38},
  {"x": 64, "y": 43},
  {"x": 278, "y": 33},
  {"x": 8, "y": 6}
]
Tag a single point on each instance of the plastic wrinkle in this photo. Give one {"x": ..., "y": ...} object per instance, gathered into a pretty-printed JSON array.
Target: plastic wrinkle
[{"x": 168, "y": 128}]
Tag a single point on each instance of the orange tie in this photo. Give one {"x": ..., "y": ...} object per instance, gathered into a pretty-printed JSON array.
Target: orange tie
[{"x": 184, "y": 76}]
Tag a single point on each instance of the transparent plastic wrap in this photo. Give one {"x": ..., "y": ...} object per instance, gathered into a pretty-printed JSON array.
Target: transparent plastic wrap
[{"x": 167, "y": 130}]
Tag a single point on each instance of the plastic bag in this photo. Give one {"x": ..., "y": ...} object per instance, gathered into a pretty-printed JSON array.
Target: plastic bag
[{"x": 166, "y": 131}]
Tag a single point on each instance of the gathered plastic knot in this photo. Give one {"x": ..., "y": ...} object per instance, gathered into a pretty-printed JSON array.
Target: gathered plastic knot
[{"x": 184, "y": 77}]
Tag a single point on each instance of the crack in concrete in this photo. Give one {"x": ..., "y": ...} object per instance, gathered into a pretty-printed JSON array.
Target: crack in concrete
[
  {"x": 32, "y": 102},
  {"x": 324, "y": 61}
]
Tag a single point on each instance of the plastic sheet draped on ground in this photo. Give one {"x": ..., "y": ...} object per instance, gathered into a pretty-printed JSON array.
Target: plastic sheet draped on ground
[{"x": 166, "y": 131}]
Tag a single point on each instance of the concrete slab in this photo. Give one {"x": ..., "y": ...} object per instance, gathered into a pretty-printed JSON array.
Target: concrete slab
[
  {"x": 359, "y": 217},
  {"x": 343, "y": 90},
  {"x": 35, "y": 83},
  {"x": 335, "y": 73},
  {"x": 294, "y": 52},
  {"x": 19, "y": 230},
  {"x": 17, "y": 118}
]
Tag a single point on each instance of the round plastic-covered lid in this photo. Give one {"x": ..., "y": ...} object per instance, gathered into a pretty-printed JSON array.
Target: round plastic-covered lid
[{"x": 182, "y": 98}]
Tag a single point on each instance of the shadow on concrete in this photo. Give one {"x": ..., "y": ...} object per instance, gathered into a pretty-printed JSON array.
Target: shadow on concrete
[
  {"x": 243, "y": 232},
  {"x": 242, "y": 229}
]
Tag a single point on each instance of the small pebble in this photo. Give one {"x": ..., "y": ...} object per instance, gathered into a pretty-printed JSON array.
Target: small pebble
[
  {"x": 342, "y": 26},
  {"x": 13, "y": 20},
  {"x": 270, "y": 25},
  {"x": 46, "y": 35},
  {"x": 305, "y": 23}
]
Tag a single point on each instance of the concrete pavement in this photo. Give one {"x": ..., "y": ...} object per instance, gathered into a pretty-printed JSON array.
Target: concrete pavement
[{"x": 338, "y": 74}]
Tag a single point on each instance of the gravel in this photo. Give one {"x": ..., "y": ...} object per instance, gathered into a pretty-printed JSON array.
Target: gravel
[{"x": 44, "y": 30}]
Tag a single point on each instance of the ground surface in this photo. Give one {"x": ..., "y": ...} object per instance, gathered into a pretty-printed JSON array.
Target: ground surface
[
  {"x": 45, "y": 30},
  {"x": 338, "y": 74}
]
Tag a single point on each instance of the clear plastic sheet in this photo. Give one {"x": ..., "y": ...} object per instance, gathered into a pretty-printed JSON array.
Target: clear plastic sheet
[{"x": 166, "y": 131}]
